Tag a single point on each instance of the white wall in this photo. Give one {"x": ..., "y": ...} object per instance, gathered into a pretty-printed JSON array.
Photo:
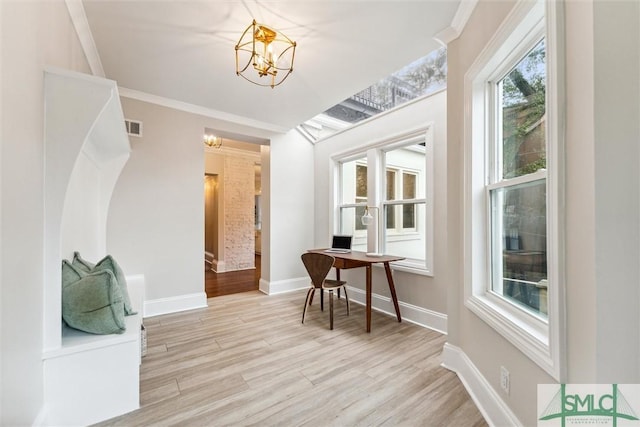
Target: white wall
[
  {"x": 617, "y": 173},
  {"x": 156, "y": 218},
  {"x": 81, "y": 212},
  {"x": 288, "y": 212},
  {"x": 265, "y": 163},
  {"x": 34, "y": 34},
  {"x": 1, "y": 257},
  {"x": 425, "y": 292},
  {"x": 601, "y": 204}
]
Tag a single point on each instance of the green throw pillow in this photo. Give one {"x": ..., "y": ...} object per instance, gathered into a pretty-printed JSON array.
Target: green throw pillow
[
  {"x": 70, "y": 274},
  {"x": 82, "y": 264},
  {"x": 94, "y": 304},
  {"x": 107, "y": 263}
]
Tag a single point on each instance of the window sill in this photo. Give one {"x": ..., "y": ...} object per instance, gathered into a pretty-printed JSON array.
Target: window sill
[
  {"x": 533, "y": 341},
  {"x": 409, "y": 268}
]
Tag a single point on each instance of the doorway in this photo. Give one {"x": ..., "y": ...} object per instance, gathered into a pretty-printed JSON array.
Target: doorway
[{"x": 221, "y": 282}]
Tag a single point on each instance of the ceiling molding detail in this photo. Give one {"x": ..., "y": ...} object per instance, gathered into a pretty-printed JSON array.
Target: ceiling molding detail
[
  {"x": 202, "y": 111},
  {"x": 458, "y": 23},
  {"x": 79, "y": 19}
]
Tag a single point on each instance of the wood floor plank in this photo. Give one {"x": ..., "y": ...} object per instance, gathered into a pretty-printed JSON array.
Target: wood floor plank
[{"x": 248, "y": 360}]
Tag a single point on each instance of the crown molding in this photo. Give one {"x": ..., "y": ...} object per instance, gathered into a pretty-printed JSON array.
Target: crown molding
[
  {"x": 80, "y": 23},
  {"x": 465, "y": 8},
  {"x": 202, "y": 111}
]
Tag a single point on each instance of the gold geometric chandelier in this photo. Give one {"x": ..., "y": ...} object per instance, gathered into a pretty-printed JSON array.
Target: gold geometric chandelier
[{"x": 264, "y": 56}]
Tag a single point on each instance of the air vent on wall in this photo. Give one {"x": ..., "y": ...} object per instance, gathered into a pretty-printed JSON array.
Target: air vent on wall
[{"x": 134, "y": 127}]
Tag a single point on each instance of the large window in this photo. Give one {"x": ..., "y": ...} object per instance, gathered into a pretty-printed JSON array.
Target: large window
[
  {"x": 517, "y": 183},
  {"x": 512, "y": 239},
  {"x": 394, "y": 181}
]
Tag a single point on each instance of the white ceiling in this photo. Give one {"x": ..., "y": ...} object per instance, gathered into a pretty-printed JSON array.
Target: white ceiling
[{"x": 184, "y": 51}]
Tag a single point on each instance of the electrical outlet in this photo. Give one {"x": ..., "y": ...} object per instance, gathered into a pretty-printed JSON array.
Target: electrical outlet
[{"x": 504, "y": 379}]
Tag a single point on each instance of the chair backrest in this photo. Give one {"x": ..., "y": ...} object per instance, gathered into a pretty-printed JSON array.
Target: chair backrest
[{"x": 318, "y": 266}]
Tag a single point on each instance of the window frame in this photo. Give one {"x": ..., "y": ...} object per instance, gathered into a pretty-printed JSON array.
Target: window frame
[
  {"x": 399, "y": 228},
  {"x": 376, "y": 185},
  {"x": 359, "y": 234},
  {"x": 543, "y": 341}
]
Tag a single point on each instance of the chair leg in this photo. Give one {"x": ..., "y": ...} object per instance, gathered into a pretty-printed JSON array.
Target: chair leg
[
  {"x": 307, "y": 301},
  {"x": 331, "y": 309},
  {"x": 346, "y": 297}
]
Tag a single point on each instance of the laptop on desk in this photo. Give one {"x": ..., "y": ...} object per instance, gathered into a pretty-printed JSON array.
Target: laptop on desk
[{"x": 340, "y": 244}]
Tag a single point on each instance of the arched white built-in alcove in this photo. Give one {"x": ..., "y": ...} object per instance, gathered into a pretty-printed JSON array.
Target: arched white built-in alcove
[
  {"x": 88, "y": 378},
  {"x": 86, "y": 147}
]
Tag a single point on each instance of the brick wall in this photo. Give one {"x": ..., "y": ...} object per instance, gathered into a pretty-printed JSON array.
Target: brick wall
[{"x": 239, "y": 228}]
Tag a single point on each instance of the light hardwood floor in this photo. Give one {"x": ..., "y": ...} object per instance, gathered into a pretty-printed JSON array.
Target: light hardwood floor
[{"x": 247, "y": 360}]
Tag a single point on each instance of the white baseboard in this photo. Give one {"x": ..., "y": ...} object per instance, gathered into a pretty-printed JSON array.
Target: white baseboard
[
  {"x": 282, "y": 286},
  {"x": 494, "y": 410},
  {"x": 410, "y": 313},
  {"x": 174, "y": 304},
  {"x": 218, "y": 266},
  {"x": 208, "y": 257}
]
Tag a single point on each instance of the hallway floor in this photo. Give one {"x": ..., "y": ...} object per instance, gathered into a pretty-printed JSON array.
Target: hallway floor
[{"x": 232, "y": 282}]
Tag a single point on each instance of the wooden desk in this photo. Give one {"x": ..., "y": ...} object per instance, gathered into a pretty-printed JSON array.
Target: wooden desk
[{"x": 356, "y": 259}]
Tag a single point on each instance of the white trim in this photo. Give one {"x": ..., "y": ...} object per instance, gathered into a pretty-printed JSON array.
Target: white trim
[
  {"x": 490, "y": 404},
  {"x": 80, "y": 23},
  {"x": 410, "y": 313},
  {"x": 386, "y": 142},
  {"x": 382, "y": 114},
  {"x": 175, "y": 304},
  {"x": 556, "y": 184},
  {"x": 545, "y": 346},
  {"x": 218, "y": 266},
  {"x": 449, "y": 34},
  {"x": 374, "y": 151},
  {"x": 209, "y": 257},
  {"x": 283, "y": 286},
  {"x": 197, "y": 109}
]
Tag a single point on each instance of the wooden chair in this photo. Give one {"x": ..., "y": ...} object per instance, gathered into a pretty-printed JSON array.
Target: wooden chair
[{"x": 318, "y": 266}]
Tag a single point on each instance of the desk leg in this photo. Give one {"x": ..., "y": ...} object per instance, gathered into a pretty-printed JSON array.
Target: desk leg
[
  {"x": 368, "y": 297},
  {"x": 392, "y": 289},
  {"x": 338, "y": 279}
]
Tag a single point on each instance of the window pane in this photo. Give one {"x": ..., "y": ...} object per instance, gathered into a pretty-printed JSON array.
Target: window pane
[
  {"x": 519, "y": 244},
  {"x": 408, "y": 186},
  {"x": 391, "y": 184},
  {"x": 353, "y": 176},
  {"x": 350, "y": 221},
  {"x": 361, "y": 181},
  {"x": 408, "y": 192},
  {"x": 522, "y": 96},
  {"x": 411, "y": 161},
  {"x": 391, "y": 195},
  {"x": 409, "y": 216},
  {"x": 411, "y": 245}
]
